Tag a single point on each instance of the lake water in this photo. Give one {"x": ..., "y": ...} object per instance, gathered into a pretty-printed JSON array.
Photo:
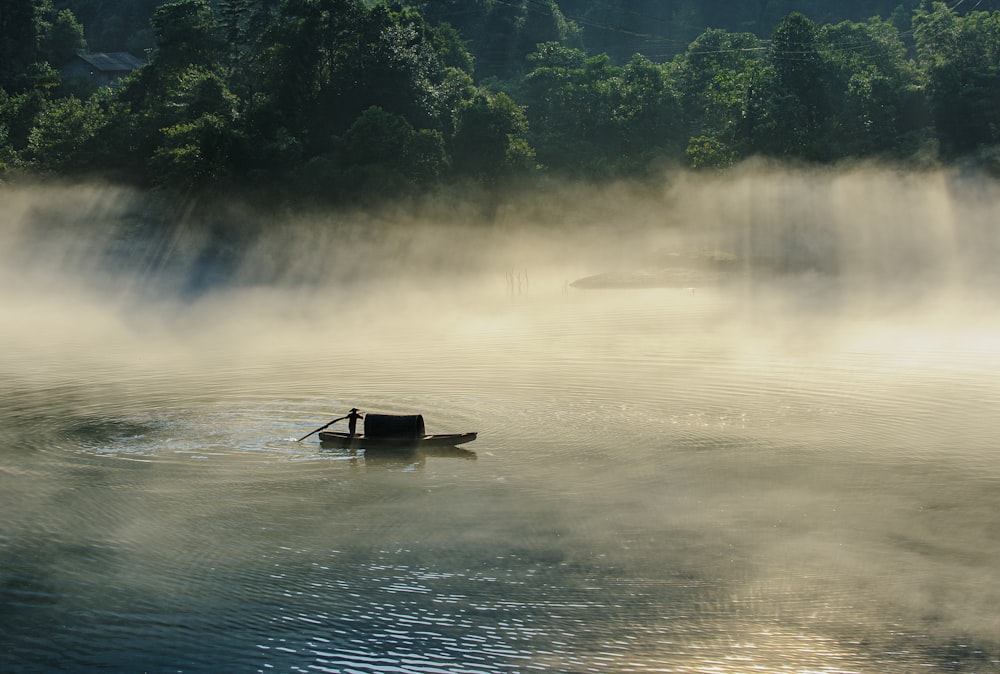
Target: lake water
[{"x": 773, "y": 474}]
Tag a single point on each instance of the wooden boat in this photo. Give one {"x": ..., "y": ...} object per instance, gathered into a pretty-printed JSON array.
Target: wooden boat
[
  {"x": 395, "y": 432},
  {"x": 346, "y": 441}
]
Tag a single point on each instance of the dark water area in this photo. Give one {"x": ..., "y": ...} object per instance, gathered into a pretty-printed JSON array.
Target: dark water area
[{"x": 779, "y": 472}]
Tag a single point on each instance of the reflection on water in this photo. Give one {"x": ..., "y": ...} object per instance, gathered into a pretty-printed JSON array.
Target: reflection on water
[{"x": 687, "y": 480}]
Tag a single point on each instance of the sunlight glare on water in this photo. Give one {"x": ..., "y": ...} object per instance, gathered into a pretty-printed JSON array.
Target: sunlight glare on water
[{"x": 787, "y": 471}]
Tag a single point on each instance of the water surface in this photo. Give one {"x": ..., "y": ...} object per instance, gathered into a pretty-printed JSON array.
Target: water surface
[{"x": 726, "y": 478}]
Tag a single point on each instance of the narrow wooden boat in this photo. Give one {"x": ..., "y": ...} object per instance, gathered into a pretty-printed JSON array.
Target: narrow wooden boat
[{"x": 344, "y": 440}]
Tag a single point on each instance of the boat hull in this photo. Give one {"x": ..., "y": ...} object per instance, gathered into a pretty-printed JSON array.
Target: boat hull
[{"x": 343, "y": 440}]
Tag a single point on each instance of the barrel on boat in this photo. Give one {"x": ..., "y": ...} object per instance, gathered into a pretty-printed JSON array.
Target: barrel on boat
[{"x": 397, "y": 426}]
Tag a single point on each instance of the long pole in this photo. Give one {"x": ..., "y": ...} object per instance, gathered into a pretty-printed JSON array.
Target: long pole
[{"x": 320, "y": 428}]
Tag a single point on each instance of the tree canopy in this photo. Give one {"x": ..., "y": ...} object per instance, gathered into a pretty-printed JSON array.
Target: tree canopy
[{"x": 347, "y": 101}]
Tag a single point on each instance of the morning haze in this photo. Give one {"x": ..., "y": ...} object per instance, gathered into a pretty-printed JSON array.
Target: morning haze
[
  {"x": 716, "y": 289},
  {"x": 786, "y": 458}
]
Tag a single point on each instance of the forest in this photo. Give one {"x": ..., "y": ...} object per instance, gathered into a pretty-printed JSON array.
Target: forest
[{"x": 347, "y": 102}]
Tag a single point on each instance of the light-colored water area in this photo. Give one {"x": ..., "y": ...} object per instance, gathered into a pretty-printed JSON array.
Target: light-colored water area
[{"x": 793, "y": 473}]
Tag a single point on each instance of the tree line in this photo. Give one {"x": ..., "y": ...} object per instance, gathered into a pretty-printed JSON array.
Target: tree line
[{"x": 346, "y": 101}]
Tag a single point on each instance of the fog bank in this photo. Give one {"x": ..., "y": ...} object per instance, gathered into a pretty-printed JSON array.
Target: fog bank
[{"x": 810, "y": 239}]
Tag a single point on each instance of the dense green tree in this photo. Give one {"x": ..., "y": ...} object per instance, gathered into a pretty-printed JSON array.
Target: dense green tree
[
  {"x": 591, "y": 118},
  {"x": 19, "y": 42},
  {"x": 658, "y": 29},
  {"x": 704, "y": 152},
  {"x": 378, "y": 137},
  {"x": 236, "y": 18},
  {"x": 570, "y": 98},
  {"x": 802, "y": 101},
  {"x": 723, "y": 80},
  {"x": 165, "y": 101},
  {"x": 187, "y": 33},
  {"x": 311, "y": 46},
  {"x": 8, "y": 156},
  {"x": 961, "y": 56},
  {"x": 648, "y": 115},
  {"x": 490, "y": 141},
  {"x": 18, "y": 114},
  {"x": 383, "y": 156},
  {"x": 302, "y": 88},
  {"x": 501, "y": 34},
  {"x": 61, "y": 134},
  {"x": 662, "y": 29},
  {"x": 195, "y": 154},
  {"x": 198, "y": 146},
  {"x": 323, "y": 62},
  {"x": 404, "y": 70},
  {"x": 110, "y": 147},
  {"x": 188, "y": 41},
  {"x": 350, "y": 100},
  {"x": 818, "y": 93},
  {"x": 62, "y": 39},
  {"x": 875, "y": 88}
]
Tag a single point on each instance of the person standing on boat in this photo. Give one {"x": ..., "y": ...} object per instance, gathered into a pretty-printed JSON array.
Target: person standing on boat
[{"x": 352, "y": 420}]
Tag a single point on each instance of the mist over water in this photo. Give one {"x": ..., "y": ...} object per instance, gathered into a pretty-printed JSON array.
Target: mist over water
[{"x": 729, "y": 423}]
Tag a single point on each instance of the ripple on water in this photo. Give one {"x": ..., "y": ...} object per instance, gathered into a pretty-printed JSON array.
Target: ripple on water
[
  {"x": 403, "y": 618},
  {"x": 648, "y": 495}
]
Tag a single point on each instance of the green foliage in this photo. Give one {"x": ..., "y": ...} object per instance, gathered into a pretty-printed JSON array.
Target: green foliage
[
  {"x": 42, "y": 76},
  {"x": 8, "y": 156},
  {"x": 709, "y": 152},
  {"x": 194, "y": 154},
  {"x": 662, "y": 29},
  {"x": 648, "y": 112},
  {"x": 193, "y": 141},
  {"x": 64, "y": 38},
  {"x": 871, "y": 82},
  {"x": 322, "y": 63},
  {"x": 801, "y": 78},
  {"x": 490, "y": 141},
  {"x": 963, "y": 75},
  {"x": 17, "y": 117},
  {"x": 349, "y": 101},
  {"x": 380, "y": 138},
  {"x": 593, "y": 119},
  {"x": 62, "y": 130},
  {"x": 818, "y": 93},
  {"x": 187, "y": 33},
  {"x": 32, "y": 32},
  {"x": 723, "y": 81},
  {"x": 501, "y": 34},
  {"x": 19, "y": 38}
]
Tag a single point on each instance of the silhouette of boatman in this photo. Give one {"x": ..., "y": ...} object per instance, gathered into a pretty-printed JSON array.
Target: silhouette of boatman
[{"x": 352, "y": 420}]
